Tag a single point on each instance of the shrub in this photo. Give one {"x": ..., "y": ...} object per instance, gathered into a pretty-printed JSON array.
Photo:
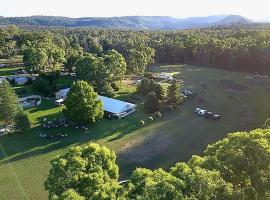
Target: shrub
[
  {"x": 44, "y": 86},
  {"x": 22, "y": 122},
  {"x": 151, "y": 103}
]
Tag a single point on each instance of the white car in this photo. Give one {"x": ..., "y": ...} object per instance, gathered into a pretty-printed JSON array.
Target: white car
[
  {"x": 4, "y": 131},
  {"x": 200, "y": 112}
]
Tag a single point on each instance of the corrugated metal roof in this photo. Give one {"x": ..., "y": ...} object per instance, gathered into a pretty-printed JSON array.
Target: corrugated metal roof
[
  {"x": 114, "y": 105},
  {"x": 109, "y": 104}
]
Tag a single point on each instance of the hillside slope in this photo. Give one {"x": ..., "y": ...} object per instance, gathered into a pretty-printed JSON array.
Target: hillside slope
[{"x": 129, "y": 22}]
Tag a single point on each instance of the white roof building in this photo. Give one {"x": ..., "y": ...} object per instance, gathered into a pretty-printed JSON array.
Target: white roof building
[
  {"x": 117, "y": 107},
  {"x": 113, "y": 106}
]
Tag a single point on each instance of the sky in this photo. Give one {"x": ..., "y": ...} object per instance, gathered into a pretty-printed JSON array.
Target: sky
[{"x": 253, "y": 9}]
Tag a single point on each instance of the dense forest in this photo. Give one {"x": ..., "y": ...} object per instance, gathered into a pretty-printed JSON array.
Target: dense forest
[{"x": 238, "y": 48}]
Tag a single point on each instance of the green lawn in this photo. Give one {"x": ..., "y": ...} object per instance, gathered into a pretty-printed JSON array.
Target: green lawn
[
  {"x": 6, "y": 71},
  {"x": 241, "y": 99}
]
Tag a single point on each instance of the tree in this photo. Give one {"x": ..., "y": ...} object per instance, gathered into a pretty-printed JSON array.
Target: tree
[
  {"x": 156, "y": 184},
  {"x": 243, "y": 159},
  {"x": 43, "y": 56},
  {"x": 22, "y": 122},
  {"x": 35, "y": 59},
  {"x": 151, "y": 103},
  {"x": 173, "y": 97},
  {"x": 45, "y": 86},
  {"x": 101, "y": 71},
  {"x": 146, "y": 85},
  {"x": 92, "y": 69},
  {"x": 84, "y": 100},
  {"x": 88, "y": 172},
  {"x": 236, "y": 167},
  {"x": 9, "y": 106},
  {"x": 143, "y": 86},
  {"x": 116, "y": 66},
  {"x": 72, "y": 57},
  {"x": 157, "y": 89},
  {"x": 201, "y": 183}
]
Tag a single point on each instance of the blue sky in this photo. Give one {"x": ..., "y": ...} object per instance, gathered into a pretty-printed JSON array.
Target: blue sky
[{"x": 254, "y": 9}]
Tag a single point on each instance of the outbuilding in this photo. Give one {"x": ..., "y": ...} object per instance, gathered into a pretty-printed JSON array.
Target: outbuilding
[{"x": 116, "y": 107}]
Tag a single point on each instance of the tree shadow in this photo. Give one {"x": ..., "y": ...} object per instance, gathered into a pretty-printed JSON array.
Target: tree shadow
[{"x": 31, "y": 144}]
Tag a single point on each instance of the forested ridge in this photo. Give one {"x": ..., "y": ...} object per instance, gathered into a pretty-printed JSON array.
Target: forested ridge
[
  {"x": 127, "y": 22},
  {"x": 237, "y": 48}
]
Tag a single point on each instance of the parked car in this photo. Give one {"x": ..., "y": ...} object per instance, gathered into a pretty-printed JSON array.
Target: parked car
[
  {"x": 200, "y": 112},
  {"x": 215, "y": 117},
  {"x": 209, "y": 114},
  {"x": 187, "y": 93}
]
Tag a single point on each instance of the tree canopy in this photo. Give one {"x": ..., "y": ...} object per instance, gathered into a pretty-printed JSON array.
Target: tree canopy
[
  {"x": 82, "y": 105},
  {"x": 87, "y": 172},
  {"x": 9, "y": 104},
  {"x": 236, "y": 167}
]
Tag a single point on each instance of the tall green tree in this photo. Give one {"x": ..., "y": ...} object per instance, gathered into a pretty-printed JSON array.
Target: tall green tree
[
  {"x": 88, "y": 172},
  {"x": 243, "y": 159},
  {"x": 101, "y": 71},
  {"x": 92, "y": 69},
  {"x": 35, "y": 59},
  {"x": 173, "y": 96},
  {"x": 151, "y": 103},
  {"x": 146, "y": 85},
  {"x": 9, "y": 105},
  {"x": 156, "y": 184},
  {"x": 84, "y": 100},
  {"x": 115, "y": 65}
]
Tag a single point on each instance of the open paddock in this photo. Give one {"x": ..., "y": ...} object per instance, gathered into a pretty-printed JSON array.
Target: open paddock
[{"x": 242, "y": 102}]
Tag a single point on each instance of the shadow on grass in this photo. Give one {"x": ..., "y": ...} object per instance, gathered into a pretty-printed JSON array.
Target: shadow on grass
[{"x": 32, "y": 145}]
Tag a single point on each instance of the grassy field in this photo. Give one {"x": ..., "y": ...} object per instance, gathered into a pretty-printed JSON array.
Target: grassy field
[
  {"x": 241, "y": 99},
  {"x": 6, "y": 71}
]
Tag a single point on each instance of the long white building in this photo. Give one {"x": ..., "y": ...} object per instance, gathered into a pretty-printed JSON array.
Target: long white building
[{"x": 112, "y": 106}]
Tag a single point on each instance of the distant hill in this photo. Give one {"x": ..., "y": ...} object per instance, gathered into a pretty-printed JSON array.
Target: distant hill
[{"x": 130, "y": 22}]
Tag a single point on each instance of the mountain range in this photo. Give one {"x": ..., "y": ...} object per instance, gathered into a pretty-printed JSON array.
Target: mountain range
[{"x": 128, "y": 22}]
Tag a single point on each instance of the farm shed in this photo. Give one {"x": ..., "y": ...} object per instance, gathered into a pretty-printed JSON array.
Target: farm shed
[
  {"x": 112, "y": 106},
  {"x": 116, "y": 107}
]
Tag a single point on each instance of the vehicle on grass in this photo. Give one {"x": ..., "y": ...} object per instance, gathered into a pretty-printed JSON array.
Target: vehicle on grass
[
  {"x": 207, "y": 114},
  {"x": 200, "y": 111},
  {"x": 215, "y": 117}
]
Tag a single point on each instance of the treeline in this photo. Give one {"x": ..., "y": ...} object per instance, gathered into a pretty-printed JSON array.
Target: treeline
[{"x": 239, "y": 49}]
